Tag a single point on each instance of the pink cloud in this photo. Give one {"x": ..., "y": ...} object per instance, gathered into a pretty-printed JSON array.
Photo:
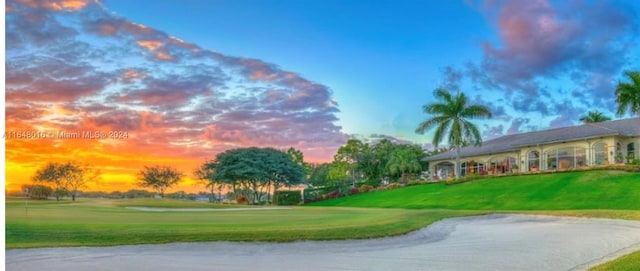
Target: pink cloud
[
  {"x": 586, "y": 43},
  {"x": 192, "y": 106},
  {"x": 56, "y": 5}
]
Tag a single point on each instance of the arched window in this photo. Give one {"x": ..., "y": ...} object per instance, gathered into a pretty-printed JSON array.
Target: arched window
[
  {"x": 534, "y": 160},
  {"x": 444, "y": 170},
  {"x": 600, "y": 154}
]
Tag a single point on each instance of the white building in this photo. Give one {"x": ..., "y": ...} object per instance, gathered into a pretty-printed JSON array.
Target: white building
[{"x": 610, "y": 142}]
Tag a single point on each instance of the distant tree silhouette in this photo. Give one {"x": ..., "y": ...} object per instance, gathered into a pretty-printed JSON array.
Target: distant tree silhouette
[
  {"x": 159, "y": 178},
  {"x": 66, "y": 177}
]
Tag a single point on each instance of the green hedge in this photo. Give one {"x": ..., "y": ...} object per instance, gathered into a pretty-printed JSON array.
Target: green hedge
[{"x": 287, "y": 197}]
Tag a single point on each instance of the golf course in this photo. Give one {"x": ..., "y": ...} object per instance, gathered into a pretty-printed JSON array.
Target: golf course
[{"x": 106, "y": 222}]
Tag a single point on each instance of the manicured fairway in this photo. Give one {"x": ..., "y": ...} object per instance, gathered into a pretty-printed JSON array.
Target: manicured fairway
[
  {"x": 605, "y": 194},
  {"x": 104, "y": 222},
  {"x": 478, "y": 243}
]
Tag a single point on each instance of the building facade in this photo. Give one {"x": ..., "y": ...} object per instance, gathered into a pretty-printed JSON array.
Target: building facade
[{"x": 592, "y": 144}]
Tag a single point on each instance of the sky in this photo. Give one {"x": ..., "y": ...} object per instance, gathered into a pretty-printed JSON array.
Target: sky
[{"x": 174, "y": 82}]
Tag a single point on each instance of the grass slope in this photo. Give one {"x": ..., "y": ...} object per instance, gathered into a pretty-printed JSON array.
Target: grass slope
[
  {"x": 564, "y": 191},
  {"x": 630, "y": 262}
]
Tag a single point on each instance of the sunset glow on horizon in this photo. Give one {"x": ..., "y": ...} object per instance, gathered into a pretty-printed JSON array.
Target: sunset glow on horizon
[
  {"x": 120, "y": 85},
  {"x": 85, "y": 85}
]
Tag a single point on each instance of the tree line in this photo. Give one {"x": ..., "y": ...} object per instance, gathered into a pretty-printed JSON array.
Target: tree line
[
  {"x": 62, "y": 178},
  {"x": 253, "y": 172}
]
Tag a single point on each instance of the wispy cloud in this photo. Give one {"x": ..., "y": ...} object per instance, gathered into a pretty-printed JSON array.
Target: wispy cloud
[
  {"x": 73, "y": 65},
  {"x": 544, "y": 50}
]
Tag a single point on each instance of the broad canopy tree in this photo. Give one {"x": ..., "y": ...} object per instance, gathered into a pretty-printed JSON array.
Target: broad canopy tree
[
  {"x": 67, "y": 177},
  {"x": 374, "y": 161},
  {"x": 351, "y": 156},
  {"x": 159, "y": 178},
  {"x": 319, "y": 175},
  {"x": 255, "y": 169},
  {"x": 405, "y": 159},
  {"x": 53, "y": 175},
  {"x": 206, "y": 174}
]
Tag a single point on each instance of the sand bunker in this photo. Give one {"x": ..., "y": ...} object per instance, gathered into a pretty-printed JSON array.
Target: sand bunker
[{"x": 491, "y": 242}]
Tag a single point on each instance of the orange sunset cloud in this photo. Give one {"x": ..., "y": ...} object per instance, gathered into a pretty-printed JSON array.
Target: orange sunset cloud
[{"x": 83, "y": 89}]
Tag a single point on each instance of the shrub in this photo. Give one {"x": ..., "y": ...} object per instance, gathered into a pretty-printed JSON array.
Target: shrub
[
  {"x": 353, "y": 191},
  {"x": 242, "y": 200},
  {"x": 287, "y": 197},
  {"x": 392, "y": 186},
  {"x": 373, "y": 183},
  {"x": 38, "y": 191},
  {"x": 316, "y": 194},
  {"x": 366, "y": 188},
  {"x": 333, "y": 195}
]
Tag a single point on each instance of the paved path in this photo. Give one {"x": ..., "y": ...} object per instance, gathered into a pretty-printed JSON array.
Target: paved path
[{"x": 492, "y": 242}]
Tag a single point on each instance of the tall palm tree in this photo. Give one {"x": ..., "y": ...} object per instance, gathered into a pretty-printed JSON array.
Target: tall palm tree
[
  {"x": 451, "y": 119},
  {"x": 628, "y": 94},
  {"x": 594, "y": 116}
]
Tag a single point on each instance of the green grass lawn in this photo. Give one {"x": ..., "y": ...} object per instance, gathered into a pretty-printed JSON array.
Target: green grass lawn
[
  {"x": 106, "y": 222},
  {"x": 102, "y": 222},
  {"x": 611, "y": 190},
  {"x": 629, "y": 262}
]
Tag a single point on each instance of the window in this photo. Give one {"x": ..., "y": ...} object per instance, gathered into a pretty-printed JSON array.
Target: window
[
  {"x": 500, "y": 165},
  {"x": 473, "y": 167},
  {"x": 631, "y": 151},
  {"x": 566, "y": 157},
  {"x": 619, "y": 157},
  {"x": 534, "y": 160},
  {"x": 600, "y": 154},
  {"x": 444, "y": 170}
]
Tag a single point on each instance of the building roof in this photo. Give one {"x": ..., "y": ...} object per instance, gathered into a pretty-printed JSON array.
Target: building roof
[{"x": 625, "y": 127}]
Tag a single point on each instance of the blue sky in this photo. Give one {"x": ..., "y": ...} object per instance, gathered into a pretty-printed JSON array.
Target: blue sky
[
  {"x": 383, "y": 59},
  {"x": 187, "y": 79}
]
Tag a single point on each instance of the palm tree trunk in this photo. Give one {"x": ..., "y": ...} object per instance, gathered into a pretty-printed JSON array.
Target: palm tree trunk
[{"x": 457, "y": 162}]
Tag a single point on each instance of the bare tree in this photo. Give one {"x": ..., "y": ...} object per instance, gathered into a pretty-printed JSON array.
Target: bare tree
[
  {"x": 159, "y": 178},
  {"x": 77, "y": 176}
]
